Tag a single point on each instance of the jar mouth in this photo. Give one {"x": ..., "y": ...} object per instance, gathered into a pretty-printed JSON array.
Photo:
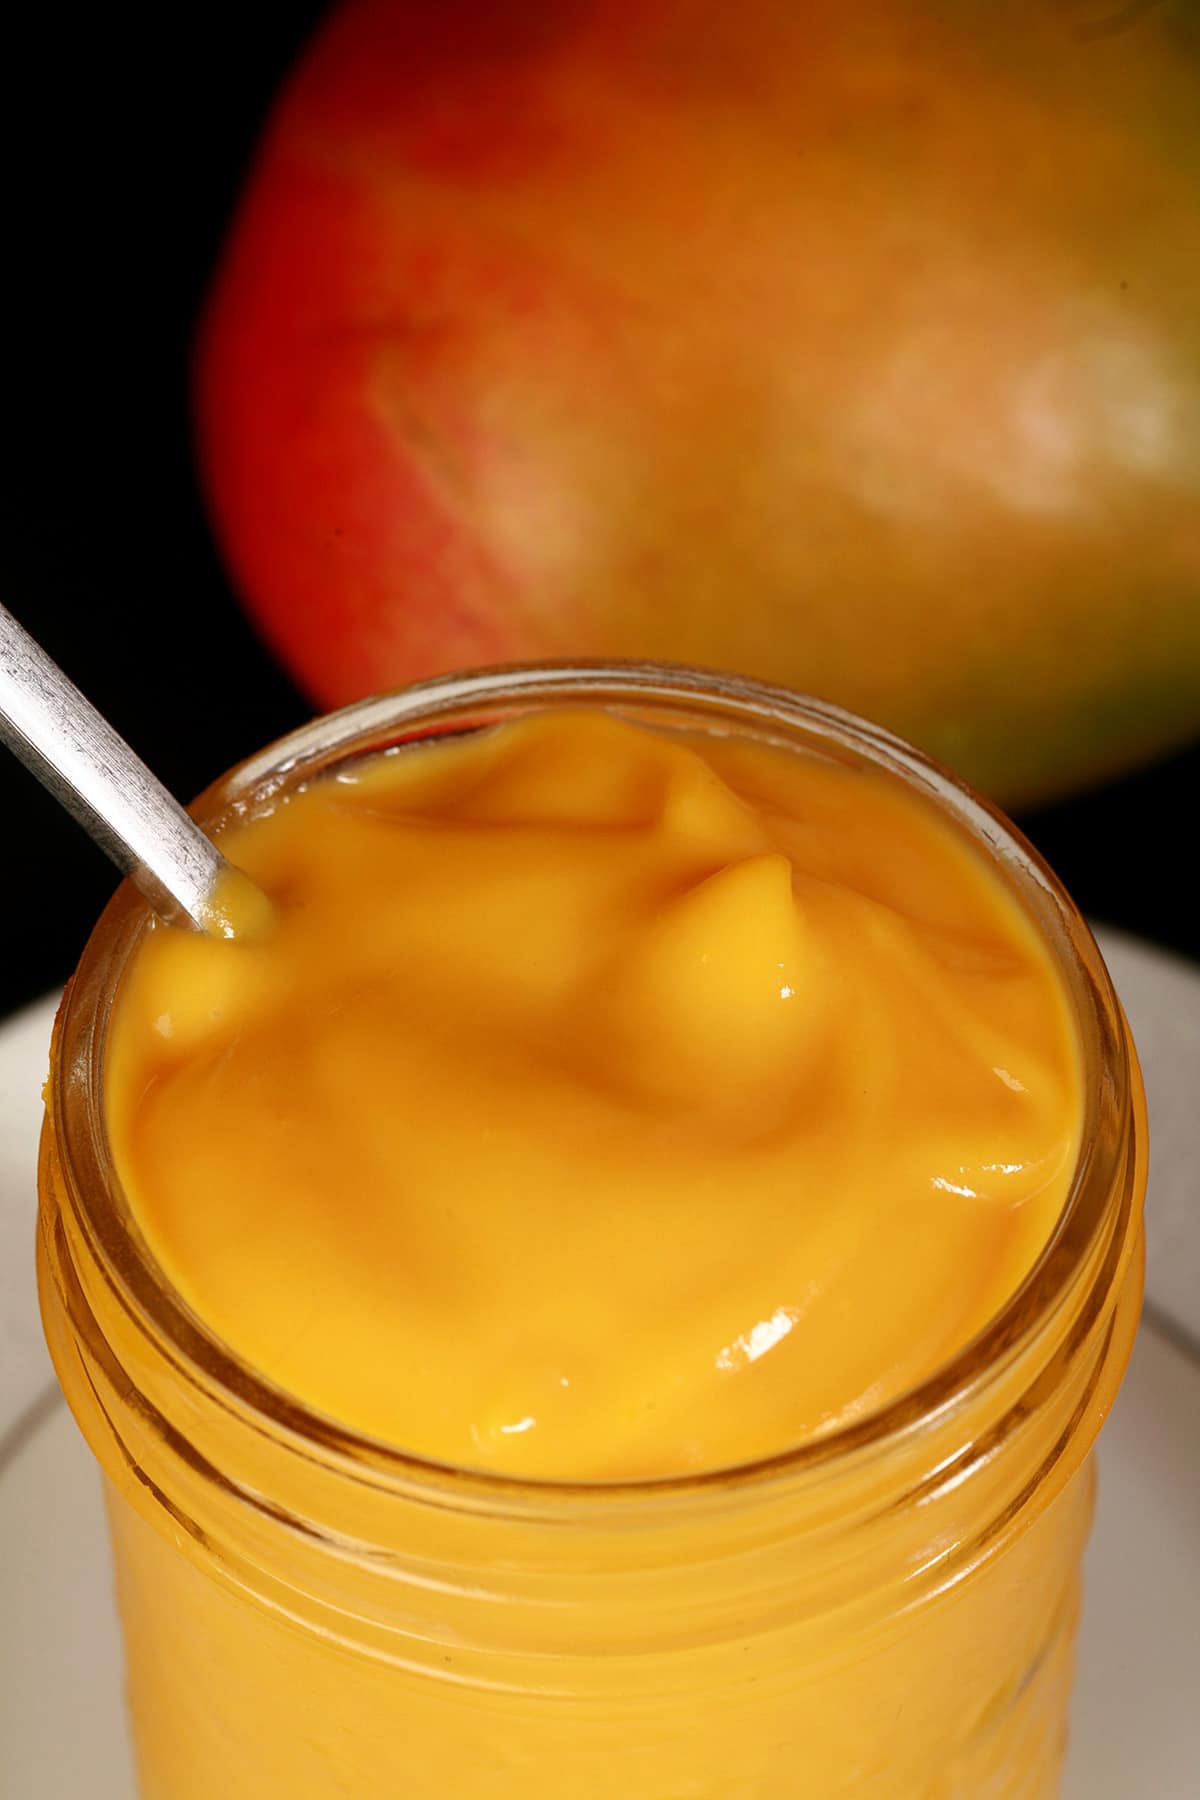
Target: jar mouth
[{"x": 709, "y": 700}]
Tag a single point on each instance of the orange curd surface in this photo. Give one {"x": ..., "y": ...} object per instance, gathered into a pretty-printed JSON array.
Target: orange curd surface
[{"x": 603, "y": 1103}]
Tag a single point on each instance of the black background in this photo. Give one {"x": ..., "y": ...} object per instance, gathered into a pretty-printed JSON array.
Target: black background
[{"x": 126, "y": 144}]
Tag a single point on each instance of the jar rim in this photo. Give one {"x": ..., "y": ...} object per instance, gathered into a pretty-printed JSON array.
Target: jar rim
[{"x": 443, "y": 703}]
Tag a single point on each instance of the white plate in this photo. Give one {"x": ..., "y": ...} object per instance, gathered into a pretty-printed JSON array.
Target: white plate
[{"x": 1136, "y": 1719}]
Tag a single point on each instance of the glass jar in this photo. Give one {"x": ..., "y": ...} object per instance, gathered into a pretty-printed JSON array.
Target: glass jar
[{"x": 887, "y": 1612}]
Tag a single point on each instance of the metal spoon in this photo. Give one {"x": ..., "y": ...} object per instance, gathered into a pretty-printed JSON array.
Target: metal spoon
[{"x": 76, "y": 754}]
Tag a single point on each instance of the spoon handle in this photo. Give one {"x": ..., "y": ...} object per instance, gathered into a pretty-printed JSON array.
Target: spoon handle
[{"x": 73, "y": 750}]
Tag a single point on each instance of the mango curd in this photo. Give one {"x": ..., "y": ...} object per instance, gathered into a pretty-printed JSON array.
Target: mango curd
[
  {"x": 603, "y": 1104},
  {"x": 609, "y": 1297}
]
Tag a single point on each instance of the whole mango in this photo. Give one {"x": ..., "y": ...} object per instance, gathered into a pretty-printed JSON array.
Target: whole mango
[{"x": 855, "y": 346}]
